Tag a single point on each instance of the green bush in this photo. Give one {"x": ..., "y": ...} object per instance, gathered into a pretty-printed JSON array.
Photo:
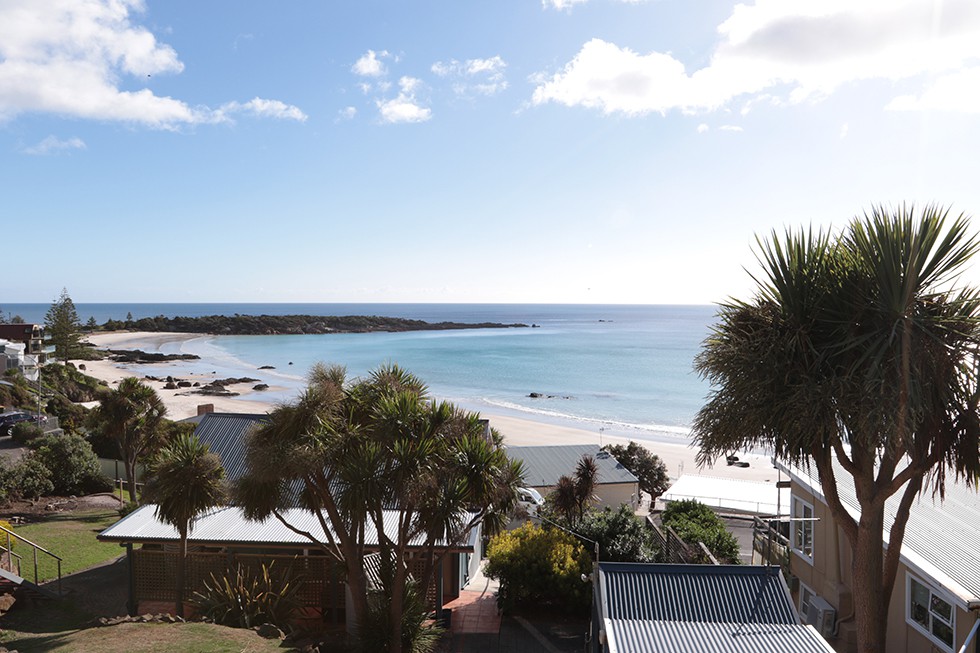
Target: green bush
[
  {"x": 31, "y": 479},
  {"x": 25, "y": 432},
  {"x": 539, "y": 566},
  {"x": 419, "y": 633},
  {"x": 695, "y": 522},
  {"x": 73, "y": 465},
  {"x": 246, "y": 598},
  {"x": 71, "y": 416},
  {"x": 621, "y": 535}
]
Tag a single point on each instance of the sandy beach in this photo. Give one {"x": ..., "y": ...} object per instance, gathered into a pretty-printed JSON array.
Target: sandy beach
[{"x": 679, "y": 458}]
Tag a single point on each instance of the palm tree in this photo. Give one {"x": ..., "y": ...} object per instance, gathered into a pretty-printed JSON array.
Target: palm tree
[
  {"x": 357, "y": 449},
  {"x": 586, "y": 478},
  {"x": 184, "y": 480},
  {"x": 133, "y": 416},
  {"x": 856, "y": 353}
]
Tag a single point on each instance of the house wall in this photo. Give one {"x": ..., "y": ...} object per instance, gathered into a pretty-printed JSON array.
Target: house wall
[
  {"x": 829, "y": 576},
  {"x": 608, "y": 494}
]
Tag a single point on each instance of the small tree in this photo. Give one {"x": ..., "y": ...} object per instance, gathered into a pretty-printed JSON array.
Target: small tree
[
  {"x": 63, "y": 326},
  {"x": 73, "y": 466},
  {"x": 91, "y": 325},
  {"x": 695, "y": 522},
  {"x": 133, "y": 416},
  {"x": 184, "y": 480},
  {"x": 621, "y": 535},
  {"x": 647, "y": 467}
]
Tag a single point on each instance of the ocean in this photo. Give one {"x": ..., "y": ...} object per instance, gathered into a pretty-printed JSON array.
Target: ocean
[{"x": 627, "y": 370}]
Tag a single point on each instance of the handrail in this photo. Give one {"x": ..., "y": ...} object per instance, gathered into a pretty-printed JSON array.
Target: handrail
[{"x": 36, "y": 548}]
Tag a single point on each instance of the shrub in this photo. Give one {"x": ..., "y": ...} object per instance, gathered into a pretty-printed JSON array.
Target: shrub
[
  {"x": 648, "y": 468},
  {"x": 419, "y": 633},
  {"x": 70, "y": 416},
  {"x": 25, "y": 432},
  {"x": 73, "y": 465},
  {"x": 246, "y": 598},
  {"x": 539, "y": 566},
  {"x": 31, "y": 479},
  {"x": 621, "y": 535},
  {"x": 695, "y": 522}
]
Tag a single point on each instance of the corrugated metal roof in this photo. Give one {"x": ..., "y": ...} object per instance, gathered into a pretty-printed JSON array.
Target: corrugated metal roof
[
  {"x": 732, "y": 608},
  {"x": 944, "y": 534},
  {"x": 687, "y": 637},
  {"x": 545, "y": 465},
  {"x": 705, "y": 593},
  {"x": 228, "y": 525},
  {"x": 225, "y": 434}
]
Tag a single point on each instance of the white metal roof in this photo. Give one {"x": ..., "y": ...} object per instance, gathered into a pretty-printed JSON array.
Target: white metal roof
[
  {"x": 228, "y": 525},
  {"x": 942, "y": 537},
  {"x": 730, "y": 493}
]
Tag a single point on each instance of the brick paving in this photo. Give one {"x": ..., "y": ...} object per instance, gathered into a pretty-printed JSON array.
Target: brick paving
[{"x": 475, "y": 624}]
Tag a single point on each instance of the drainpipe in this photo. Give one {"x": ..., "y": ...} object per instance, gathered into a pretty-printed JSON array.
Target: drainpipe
[{"x": 972, "y": 606}]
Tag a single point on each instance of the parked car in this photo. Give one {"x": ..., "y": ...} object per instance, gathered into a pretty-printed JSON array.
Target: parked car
[
  {"x": 529, "y": 499},
  {"x": 8, "y": 420}
]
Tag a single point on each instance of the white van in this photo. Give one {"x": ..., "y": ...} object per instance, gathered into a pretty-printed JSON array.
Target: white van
[{"x": 529, "y": 499}]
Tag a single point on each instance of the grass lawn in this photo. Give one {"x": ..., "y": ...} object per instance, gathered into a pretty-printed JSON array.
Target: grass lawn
[{"x": 70, "y": 536}]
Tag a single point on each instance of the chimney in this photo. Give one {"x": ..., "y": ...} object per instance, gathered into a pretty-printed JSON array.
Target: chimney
[{"x": 204, "y": 409}]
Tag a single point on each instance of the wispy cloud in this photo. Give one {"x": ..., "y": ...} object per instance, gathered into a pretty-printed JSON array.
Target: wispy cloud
[
  {"x": 474, "y": 76},
  {"x": 406, "y": 107},
  {"x": 370, "y": 64},
  {"x": 793, "y": 51},
  {"x": 568, "y": 4},
  {"x": 53, "y": 145},
  {"x": 69, "y": 57},
  {"x": 263, "y": 108}
]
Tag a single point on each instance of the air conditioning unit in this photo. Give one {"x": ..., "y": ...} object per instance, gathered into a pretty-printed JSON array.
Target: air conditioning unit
[{"x": 821, "y": 616}]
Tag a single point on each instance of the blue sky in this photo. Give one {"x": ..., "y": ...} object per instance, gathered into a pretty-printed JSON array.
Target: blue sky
[{"x": 594, "y": 151}]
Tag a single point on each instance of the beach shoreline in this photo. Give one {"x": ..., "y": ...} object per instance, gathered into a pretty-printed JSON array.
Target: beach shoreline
[{"x": 679, "y": 457}]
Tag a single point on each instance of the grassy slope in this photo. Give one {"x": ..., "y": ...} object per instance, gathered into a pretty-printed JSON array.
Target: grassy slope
[{"x": 70, "y": 536}]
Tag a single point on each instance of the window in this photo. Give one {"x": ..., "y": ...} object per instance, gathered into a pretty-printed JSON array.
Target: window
[
  {"x": 930, "y": 613},
  {"x": 806, "y": 595},
  {"x": 802, "y": 529}
]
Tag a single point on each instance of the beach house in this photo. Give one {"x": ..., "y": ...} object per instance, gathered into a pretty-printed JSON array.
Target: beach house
[
  {"x": 543, "y": 466},
  {"x": 30, "y": 335},
  {"x": 935, "y": 603},
  {"x": 223, "y": 538}
]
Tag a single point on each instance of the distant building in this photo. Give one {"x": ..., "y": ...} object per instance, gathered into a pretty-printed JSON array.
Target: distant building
[
  {"x": 935, "y": 603},
  {"x": 30, "y": 335},
  {"x": 663, "y": 608},
  {"x": 543, "y": 466}
]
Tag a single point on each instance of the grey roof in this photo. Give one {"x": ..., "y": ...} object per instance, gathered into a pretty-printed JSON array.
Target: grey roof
[
  {"x": 543, "y": 466},
  {"x": 229, "y": 526},
  {"x": 735, "y": 608},
  {"x": 225, "y": 435},
  {"x": 941, "y": 535}
]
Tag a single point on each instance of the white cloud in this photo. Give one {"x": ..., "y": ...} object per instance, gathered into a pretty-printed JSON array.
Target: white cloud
[
  {"x": 474, "y": 76},
  {"x": 730, "y": 128},
  {"x": 790, "y": 49},
  {"x": 568, "y": 4},
  {"x": 843, "y": 130},
  {"x": 262, "y": 108},
  {"x": 959, "y": 91},
  {"x": 52, "y": 144},
  {"x": 405, "y": 107},
  {"x": 370, "y": 64},
  {"x": 70, "y": 57},
  {"x": 347, "y": 113},
  {"x": 703, "y": 128}
]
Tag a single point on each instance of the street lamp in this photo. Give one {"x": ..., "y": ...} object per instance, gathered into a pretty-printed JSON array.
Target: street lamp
[{"x": 601, "y": 429}]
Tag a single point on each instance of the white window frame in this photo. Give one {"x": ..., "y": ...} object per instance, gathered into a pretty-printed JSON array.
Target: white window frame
[
  {"x": 934, "y": 594},
  {"x": 805, "y": 523},
  {"x": 805, "y": 605}
]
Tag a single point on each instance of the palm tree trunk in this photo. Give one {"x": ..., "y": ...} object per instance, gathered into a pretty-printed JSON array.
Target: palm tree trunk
[
  {"x": 868, "y": 576},
  {"x": 181, "y": 558},
  {"x": 130, "y": 465}
]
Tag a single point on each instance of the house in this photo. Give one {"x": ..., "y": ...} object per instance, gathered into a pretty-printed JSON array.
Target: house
[
  {"x": 664, "y": 608},
  {"x": 223, "y": 538},
  {"x": 935, "y": 604},
  {"x": 30, "y": 335},
  {"x": 543, "y": 466},
  {"x": 729, "y": 494}
]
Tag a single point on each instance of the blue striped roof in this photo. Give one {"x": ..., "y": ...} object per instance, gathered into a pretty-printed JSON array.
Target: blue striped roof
[
  {"x": 225, "y": 435},
  {"x": 732, "y": 608}
]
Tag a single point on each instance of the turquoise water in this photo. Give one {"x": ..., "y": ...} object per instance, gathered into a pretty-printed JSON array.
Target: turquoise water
[{"x": 626, "y": 369}]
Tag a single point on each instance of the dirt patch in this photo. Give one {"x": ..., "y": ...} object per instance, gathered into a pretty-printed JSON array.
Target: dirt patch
[{"x": 26, "y": 511}]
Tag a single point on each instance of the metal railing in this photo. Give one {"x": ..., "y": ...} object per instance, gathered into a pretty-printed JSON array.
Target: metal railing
[{"x": 35, "y": 548}]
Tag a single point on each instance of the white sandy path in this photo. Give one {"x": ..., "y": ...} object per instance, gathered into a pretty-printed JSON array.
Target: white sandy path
[{"x": 679, "y": 458}]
